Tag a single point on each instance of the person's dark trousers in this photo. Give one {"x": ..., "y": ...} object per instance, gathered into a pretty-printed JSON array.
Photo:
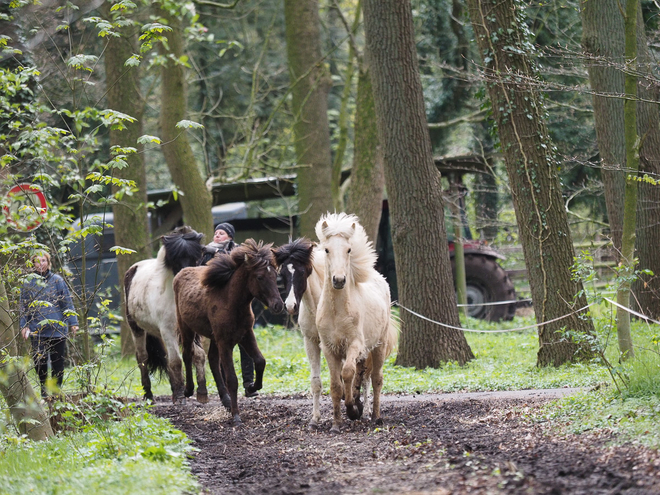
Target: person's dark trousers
[
  {"x": 247, "y": 368},
  {"x": 42, "y": 349}
]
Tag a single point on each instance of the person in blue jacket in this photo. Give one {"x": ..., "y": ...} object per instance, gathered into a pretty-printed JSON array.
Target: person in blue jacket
[{"x": 46, "y": 313}]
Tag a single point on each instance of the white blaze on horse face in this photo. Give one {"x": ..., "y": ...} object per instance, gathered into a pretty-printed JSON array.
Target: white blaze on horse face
[
  {"x": 338, "y": 259},
  {"x": 290, "y": 302}
]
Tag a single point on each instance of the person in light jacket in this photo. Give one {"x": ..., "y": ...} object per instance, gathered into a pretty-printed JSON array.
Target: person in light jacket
[
  {"x": 46, "y": 314},
  {"x": 223, "y": 242}
]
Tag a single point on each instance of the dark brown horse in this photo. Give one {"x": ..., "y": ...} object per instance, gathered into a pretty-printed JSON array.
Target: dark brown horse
[{"x": 215, "y": 301}]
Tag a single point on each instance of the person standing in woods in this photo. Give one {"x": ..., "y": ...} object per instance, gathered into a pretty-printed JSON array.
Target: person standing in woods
[
  {"x": 223, "y": 242},
  {"x": 46, "y": 314}
]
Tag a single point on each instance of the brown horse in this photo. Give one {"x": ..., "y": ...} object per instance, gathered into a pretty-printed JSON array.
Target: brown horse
[{"x": 215, "y": 301}]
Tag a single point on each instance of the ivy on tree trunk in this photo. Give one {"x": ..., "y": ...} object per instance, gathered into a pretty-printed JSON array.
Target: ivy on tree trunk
[{"x": 535, "y": 187}]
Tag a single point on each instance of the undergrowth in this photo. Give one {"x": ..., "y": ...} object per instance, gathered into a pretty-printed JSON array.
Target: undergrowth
[{"x": 142, "y": 454}]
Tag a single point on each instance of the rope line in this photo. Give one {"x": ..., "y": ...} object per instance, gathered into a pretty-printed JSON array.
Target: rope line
[
  {"x": 496, "y": 303},
  {"x": 492, "y": 331},
  {"x": 632, "y": 312}
]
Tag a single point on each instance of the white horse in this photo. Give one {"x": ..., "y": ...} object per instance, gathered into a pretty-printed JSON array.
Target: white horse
[
  {"x": 355, "y": 326},
  {"x": 151, "y": 314}
]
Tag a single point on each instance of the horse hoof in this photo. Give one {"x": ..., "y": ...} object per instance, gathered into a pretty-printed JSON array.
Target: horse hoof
[
  {"x": 353, "y": 412},
  {"x": 360, "y": 407},
  {"x": 226, "y": 401},
  {"x": 335, "y": 430},
  {"x": 313, "y": 426},
  {"x": 179, "y": 400},
  {"x": 237, "y": 421},
  {"x": 378, "y": 421},
  {"x": 188, "y": 393},
  {"x": 202, "y": 398}
]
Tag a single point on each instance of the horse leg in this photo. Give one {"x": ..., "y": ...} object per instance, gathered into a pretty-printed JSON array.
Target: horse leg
[
  {"x": 214, "y": 363},
  {"x": 142, "y": 356},
  {"x": 187, "y": 337},
  {"x": 313, "y": 351},
  {"x": 249, "y": 344},
  {"x": 348, "y": 376},
  {"x": 378, "y": 358},
  {"x": 336, "y": 389},
  {"x": 199, "y": 359},
  {"x": 358, "y": 381},
  {"x": 366, "y": 382},
  {"x": 227, "y": 362},
  {"x": 174, "y": 366}
]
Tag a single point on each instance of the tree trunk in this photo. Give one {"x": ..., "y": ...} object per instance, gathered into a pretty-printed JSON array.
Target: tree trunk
[
  {"x": 630, "y": 193},
  {"x": 415, "y": 194},
  {"x": 535, "y": 187},
  {"x": 310, "y": 109},
  {"x": 131, "y": 225},
  {"x": 29, "y": 416},
  {"x": 365, "y": 196},
  {"x": 186, "y": 175},
  {"x": 603, "y": 40}
]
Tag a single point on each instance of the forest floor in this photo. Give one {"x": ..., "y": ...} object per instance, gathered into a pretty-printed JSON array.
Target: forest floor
[{"x": 477, "y": 443}]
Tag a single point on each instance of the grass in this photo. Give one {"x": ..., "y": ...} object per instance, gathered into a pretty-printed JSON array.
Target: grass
[{"x": 142, "y": 454}]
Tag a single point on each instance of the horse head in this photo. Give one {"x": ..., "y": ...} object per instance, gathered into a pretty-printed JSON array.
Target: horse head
[
  {"x": 260, "y": 264},
  {"x": 183, "y": 248},
  {"x": 349, "y": 255},
  {"x": 295, "y": 265}
]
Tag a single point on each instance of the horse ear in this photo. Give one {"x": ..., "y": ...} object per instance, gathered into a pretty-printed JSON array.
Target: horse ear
[
  {"x": 324, "y": 225},
  {"x": 246, "y": 258},
  {"x": 353, "y": 228}
]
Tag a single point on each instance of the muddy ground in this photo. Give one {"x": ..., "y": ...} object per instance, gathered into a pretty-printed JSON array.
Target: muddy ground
[{"x": 440, "y": 444}]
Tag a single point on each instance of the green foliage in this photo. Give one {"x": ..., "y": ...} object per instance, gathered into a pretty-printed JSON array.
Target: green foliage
[{"x": 142, "y": 454}]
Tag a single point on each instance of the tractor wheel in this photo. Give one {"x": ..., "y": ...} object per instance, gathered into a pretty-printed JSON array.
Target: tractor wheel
[{"x": 488, "y": 282}]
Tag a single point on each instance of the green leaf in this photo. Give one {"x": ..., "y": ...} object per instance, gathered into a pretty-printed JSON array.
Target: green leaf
[
  {"x": 146, "y": 138},
  {"x": 188, "y": 124}
]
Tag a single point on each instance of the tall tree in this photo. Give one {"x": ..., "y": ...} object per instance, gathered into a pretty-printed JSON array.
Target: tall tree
[
  {"x": 603, "y": 41},
  {"x": 535, "y": 187},
  {"x": 310, "y": 110},
  {"x": 29, "y": 416},
  {"x": 181, "y": 162},
  {"x": 414, "y": 190},
  {"x": 365, "y": 196},
  {"x": 130, "y": 222}
]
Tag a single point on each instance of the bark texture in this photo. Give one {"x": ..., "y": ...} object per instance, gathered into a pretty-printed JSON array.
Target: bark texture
[
  {"x": 310, "y": 110},
  {"x": 131, "y": 225},
  {"x": 24, "y": 406},
  {"x": 186, "y": 175},
  {"x": 604, "y": 41},
  {"x": 535, "y": 187},
  {"x": 365, "y": 196},
  {"x": 414, "y": 190}
]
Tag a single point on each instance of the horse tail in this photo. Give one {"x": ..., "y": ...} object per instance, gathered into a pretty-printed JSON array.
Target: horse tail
[
  {"x": 157, "y": 356},
  {"x": 392, "y": 335}
]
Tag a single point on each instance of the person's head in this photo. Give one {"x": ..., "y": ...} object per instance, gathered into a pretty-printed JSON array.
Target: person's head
[
  {"x": 223, "y": 232},
  {"x": 40, "y": 261}
]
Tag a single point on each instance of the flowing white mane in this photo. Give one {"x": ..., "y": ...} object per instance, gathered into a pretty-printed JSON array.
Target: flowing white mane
[{"x": 363, "y": 254}]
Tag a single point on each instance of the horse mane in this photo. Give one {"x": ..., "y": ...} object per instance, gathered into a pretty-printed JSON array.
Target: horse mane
[
  {"x": 363, "y": 254},
  {"x": 301, "y": 251},
  {"x": 182, "y": 248},
  {"x": 222, "y": 266}
]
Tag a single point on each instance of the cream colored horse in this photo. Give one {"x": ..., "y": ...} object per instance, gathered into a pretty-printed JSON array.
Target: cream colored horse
[{"x": 353, "y": 319}]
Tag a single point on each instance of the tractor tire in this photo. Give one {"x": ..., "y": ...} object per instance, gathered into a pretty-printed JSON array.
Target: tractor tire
[{"x": 487, "y": 282}]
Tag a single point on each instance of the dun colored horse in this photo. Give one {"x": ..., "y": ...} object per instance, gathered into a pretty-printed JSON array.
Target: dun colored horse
[
  {"x": 150, "y": 311},
  {"x": 214, "y": 301},
  {"x": 353, "y": 317}
]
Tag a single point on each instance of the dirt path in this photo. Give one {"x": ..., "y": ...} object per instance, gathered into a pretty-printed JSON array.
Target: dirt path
[{"x": 441, "y": 444}]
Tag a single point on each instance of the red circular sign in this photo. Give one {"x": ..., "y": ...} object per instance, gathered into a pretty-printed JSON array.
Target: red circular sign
[{"x": 27, "y": 207}]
